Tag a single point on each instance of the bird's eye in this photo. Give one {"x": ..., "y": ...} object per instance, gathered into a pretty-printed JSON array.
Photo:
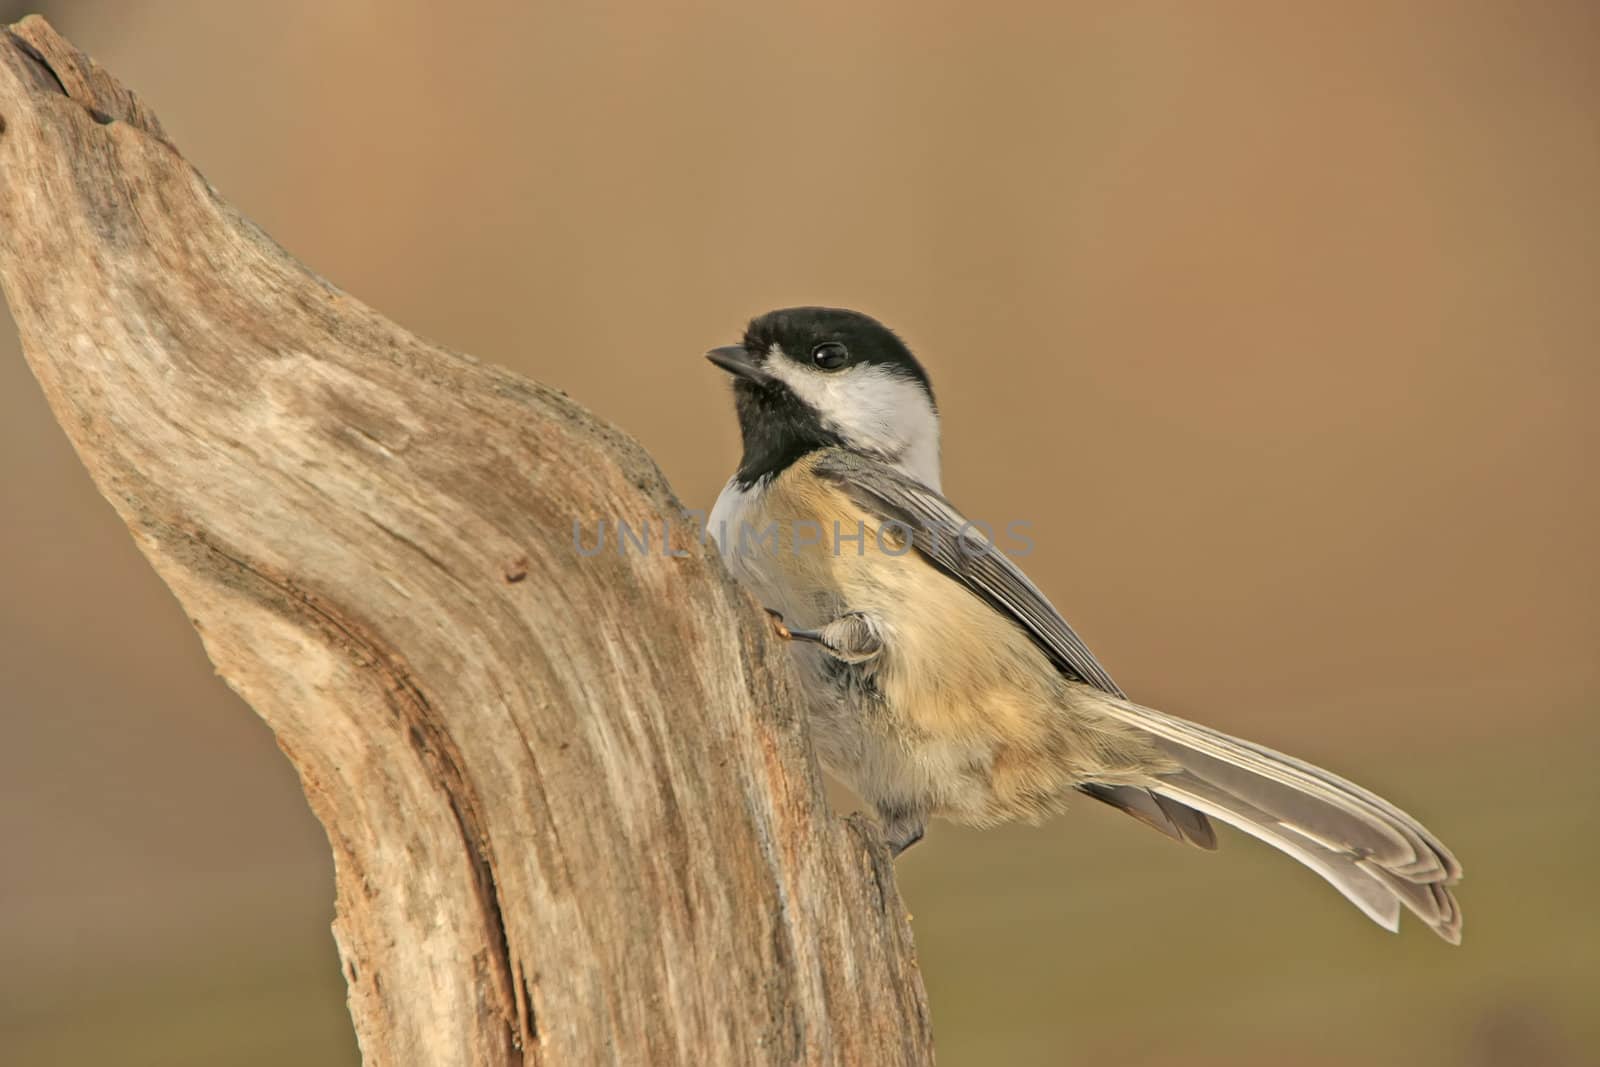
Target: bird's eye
[{"x": 830, "y": 355}]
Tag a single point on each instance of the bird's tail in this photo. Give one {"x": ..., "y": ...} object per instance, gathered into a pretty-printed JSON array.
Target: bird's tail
[{"x": 1374, "y": 853}]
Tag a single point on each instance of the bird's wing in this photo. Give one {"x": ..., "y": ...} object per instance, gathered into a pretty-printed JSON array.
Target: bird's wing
[
  {"x": 946, "y": 539},
  {"x": 949, "y": 541}
]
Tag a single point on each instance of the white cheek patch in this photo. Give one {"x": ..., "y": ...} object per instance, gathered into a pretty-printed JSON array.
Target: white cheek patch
[{"x": 872, "y": 408}]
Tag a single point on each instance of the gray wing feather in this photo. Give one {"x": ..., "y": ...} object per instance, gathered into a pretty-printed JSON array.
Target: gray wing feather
[{"x": 946, "y": 538}]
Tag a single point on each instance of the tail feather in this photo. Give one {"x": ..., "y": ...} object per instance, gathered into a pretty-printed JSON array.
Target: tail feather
[
  {"x": 1341, "y": 871},
  {"x": 1178, "y": 821},
  {"x": 1375, "y": 854}
]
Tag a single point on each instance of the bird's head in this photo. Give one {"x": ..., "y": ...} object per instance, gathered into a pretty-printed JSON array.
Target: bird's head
[{"x": 809, "y": 377}]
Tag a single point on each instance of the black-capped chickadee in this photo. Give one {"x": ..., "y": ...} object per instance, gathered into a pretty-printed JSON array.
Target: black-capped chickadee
[{"x": 942, "y": 682}]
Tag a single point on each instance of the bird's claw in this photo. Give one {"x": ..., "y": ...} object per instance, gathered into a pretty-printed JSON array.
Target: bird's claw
[
  {"x": 782, "y": 629},
  {"x": 775, "y": 618}
]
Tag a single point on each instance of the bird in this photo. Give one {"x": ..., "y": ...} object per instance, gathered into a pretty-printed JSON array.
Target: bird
[{"x": 940, "y": 682}]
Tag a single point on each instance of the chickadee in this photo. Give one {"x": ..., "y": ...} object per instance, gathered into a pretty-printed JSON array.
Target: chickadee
[{"x": 942, "y": 682}]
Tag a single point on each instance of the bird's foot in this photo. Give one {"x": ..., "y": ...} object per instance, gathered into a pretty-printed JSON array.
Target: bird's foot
[
  {"x": 901, "y": 829},
  {"x": 851, "y": 638}
]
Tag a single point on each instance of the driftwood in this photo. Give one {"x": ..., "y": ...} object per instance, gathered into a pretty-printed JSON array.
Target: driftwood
[{"x": 572, "y": 805}]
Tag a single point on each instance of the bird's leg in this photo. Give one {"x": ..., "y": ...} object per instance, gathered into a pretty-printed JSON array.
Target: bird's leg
[
  {"x": 902, "y": 827},
  {"x": 851, "y": 638}
]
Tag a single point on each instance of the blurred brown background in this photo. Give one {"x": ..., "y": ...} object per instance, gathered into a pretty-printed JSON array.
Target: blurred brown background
[{"x": 1279, "y": 322}]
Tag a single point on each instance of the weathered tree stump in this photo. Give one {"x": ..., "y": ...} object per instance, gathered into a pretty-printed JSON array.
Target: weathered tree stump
[{"x": 572, "y": 805}]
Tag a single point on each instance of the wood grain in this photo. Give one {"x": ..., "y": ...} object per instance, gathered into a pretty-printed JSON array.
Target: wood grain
[{"x": 571, "y": 801}]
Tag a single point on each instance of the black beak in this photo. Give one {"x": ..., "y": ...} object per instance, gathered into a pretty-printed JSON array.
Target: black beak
[{"x": 736, "y": 360}]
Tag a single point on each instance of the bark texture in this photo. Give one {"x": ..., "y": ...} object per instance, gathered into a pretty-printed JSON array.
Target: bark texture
[{"x": 571, "y": 801}]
